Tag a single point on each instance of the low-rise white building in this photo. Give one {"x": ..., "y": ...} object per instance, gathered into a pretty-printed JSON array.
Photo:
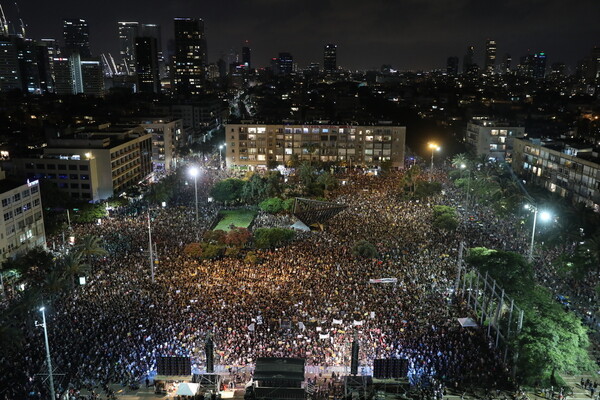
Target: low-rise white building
[
  {"x": 569, "y": 169},
  {"x": 22, "y": 224},
  {"x": 492, "y": 139}
]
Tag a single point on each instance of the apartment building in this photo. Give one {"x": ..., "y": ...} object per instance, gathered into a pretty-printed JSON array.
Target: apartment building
[
  {"x": 570, "y": 169},
  {"x": 254, "y": 145},
  {"x": 492, "y": 139}
]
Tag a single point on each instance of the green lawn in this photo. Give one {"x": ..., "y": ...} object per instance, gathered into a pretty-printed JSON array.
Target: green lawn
[{"x": 239, "y": 218}]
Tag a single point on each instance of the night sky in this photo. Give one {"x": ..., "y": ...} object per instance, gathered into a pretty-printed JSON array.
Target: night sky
[{"x": 408, "y": 34}]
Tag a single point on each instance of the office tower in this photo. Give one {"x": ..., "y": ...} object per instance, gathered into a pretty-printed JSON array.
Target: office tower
[
  {"x": 76, "y": 74},
  {"x": 285, "y": 64},
  {"x": 146, "y": 49},
  {"x": 92, "y": 77},
  {"x": 53, "y": 52},
  {"x": 468, "y": 59},
  {"x": 506, "y": 63},
  {"x": 63, "y": 80},
  {"x": 246, "y": 56},
  {"x": 539, "y": 65},
  {"x": 76, "y": 34},
  {"x": 222, "y": 66},
  {"x": 330, "y": 58},
  {"x": 452, "y": 66},
  {"x": 154, "y": 31},
  {"x": 128, "y": 31},
  {"x": 490, "y": 55},
  {"x": 44, "y": 64},
  {"x": 10, "y": 76},
  {"x": 190, "y": 56},
  {"x": 28, "y": 66}
]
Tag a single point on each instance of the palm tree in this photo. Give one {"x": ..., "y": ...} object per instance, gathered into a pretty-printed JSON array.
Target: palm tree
[
  {"x": 73, "y": 267},
  {"x": 460, "y": 159},
  {"x": 90, "y": 246}
]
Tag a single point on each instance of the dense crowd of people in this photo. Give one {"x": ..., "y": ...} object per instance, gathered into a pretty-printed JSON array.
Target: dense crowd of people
[{"x": 309, "y": 299}]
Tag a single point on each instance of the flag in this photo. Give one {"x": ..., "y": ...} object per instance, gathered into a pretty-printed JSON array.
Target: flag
[
  {"x": 251, "y": 327},
  {"x": 301, "y": 325}
]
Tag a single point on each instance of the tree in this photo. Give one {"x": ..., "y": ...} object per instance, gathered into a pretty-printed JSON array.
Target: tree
[
  {"x": 512, "y": 272},
  {"x": 265, "y": 238},
  {"x": 327, "y": 181},
  {"x": 461, "y": 159},
  {"x": 228, "y": 190},
  {"x": 364, "y": 249},
  {"x": 424, "y": 189},
  {"x": 288, "y": 204},
  {"x": 238, "y": 237},
  {"x": 216, "y": 236},
  {"x": 410, "y": 178},
  {"x": 272, "y": 205},
  {"x": 444, "y": 217},
  {"x": 306, "y": 173},
  {"x": 193, "y": 250},
  {"x": 90, "y": 246},
  {"x": 73, "y": 267}
]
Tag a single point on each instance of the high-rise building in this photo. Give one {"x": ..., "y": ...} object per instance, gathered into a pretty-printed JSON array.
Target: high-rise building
[
  {"x": 76, "y": 34},
  {"x": 492, "y": 139},
  {"x": 285, "y": 63},
  {"x": 63, "y": 79},
  {"x": 190, "y": 56},
  {"x": 10, "y": 76},
  {"x": 92, "y": 78},
  {"x": 128, "y": 31},
  {"x": 246, "y": 60},
  {"x": 28, "y": 66},
  {"x": 490, "y": 55},
  {"x": 468, "y": 62},
  {"x": 154, "y": 31},
  {"x": 452, "y": 66},
  {"x": 539, "y": 65},
  {"x": 506, "y": 64},
  {"x": 146, "y": 49},
  {"x": 330, "y": 58}
]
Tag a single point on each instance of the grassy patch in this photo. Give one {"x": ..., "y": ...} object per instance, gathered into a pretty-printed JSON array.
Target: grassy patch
[{"x": 241, "y": 218}]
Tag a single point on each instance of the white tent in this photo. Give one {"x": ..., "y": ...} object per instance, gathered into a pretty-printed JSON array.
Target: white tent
[
  {"x": 467, "y": 323},
  {"x": 300, "y": 226},
  {"x": 187, "y": 389}
]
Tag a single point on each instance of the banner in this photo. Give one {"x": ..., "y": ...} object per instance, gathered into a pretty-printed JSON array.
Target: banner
[
  {"x": 251, "y": 327},
  {"x": 384, "y": 280},
  {"x": 357, "y": 323},
  {"x": 337, "y": 321},
  {"x": 321, "y": 336},
  {"x": 301, "y": 325}
]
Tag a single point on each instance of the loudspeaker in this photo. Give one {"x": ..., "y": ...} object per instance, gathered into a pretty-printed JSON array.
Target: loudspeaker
[
  {"x": 209, "y": 349},
  {"x": 174, "y": 366},
  {"x": 390, "y": 368},
  {"x": 354, "y": 361}
]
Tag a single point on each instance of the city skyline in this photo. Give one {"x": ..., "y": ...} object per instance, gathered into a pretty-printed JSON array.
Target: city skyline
[{"x": 408, "y": 35}]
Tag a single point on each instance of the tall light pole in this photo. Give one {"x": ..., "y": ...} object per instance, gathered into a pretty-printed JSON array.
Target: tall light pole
[
  {"x": 220, "y": 158},
  {"x": 194, "y": 173},
  {"x": 434, "y": 147},
  {"x": 48, "y": 360},
  {"x": 463, "y": 166},
  {"x": 545, "y": 216},
  {"x": 150, "y": 247}
]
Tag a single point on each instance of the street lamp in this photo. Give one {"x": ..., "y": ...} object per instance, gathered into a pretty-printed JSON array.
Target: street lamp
[
  {"x": 434, "y": 147},
  {"x": 544, "y": 216},
  {"x": 221, "y": 147},
  {"x": 463, "y": 166},
  {"x": 194, "y": 172},
  {"x": 48, "y": 360}
]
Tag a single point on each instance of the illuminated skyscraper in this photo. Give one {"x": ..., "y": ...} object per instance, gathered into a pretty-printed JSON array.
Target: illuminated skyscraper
[
  {"x": 246, "y": 60},
  {"x": 146, "y": 50},
  {"x": 76, "y": 34},
  {"x": 330, "y": 58},
  {"x": 490, "y": 55},
  {"x": 285, "y": 63},
  {"x": 452, "y": 66},
  {"x": 128, "y": 31},
  {"x": 190, "y": 56},
  {"x": 468, "y": 64}
]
